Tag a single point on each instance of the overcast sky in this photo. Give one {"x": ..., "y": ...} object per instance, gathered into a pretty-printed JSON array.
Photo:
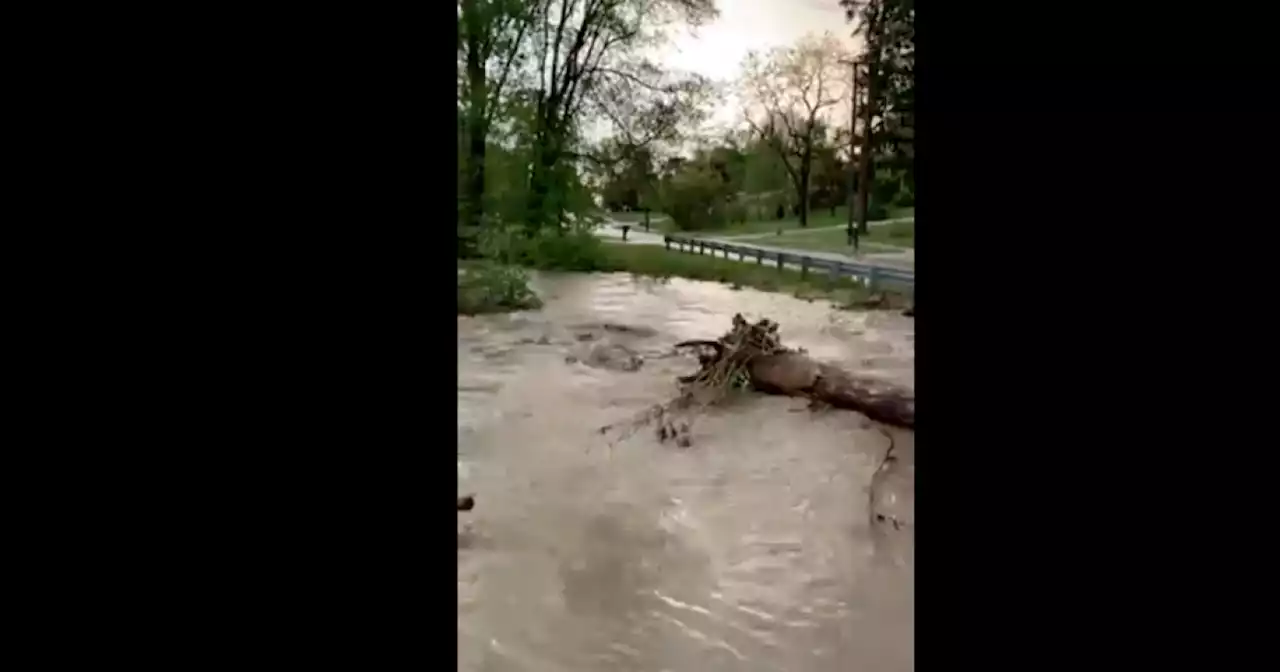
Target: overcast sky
[{"x": 717, "y": 49}]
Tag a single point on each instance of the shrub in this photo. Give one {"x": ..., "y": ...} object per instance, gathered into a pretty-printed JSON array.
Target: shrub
[
  {"x": 695, "y": 199},
  {"x": 885, "y": 188},
  {"x": 488, "y": 287},
  {"x": 736, "y": 211},
  {"x": 562, "y": 251},
  {"x": 575, "y": 249},
  {"x": 876, "y": 211}
]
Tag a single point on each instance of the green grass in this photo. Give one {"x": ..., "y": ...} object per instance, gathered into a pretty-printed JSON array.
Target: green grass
[
  {"x": 822, "y": 241},
  {"x": 900, "y": 234},
  {"x": 636, "y": 217},
  {"x": 817, "y": 219},
  {"x": 654, "y": 261},
  {"x": 899, "y": 212},
  {"x": 886, "y": 238}
]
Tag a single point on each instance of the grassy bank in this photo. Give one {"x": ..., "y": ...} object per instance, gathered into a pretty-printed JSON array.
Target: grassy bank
[
  {"x": 885, "y": 238},
  {"x": 817, "y": 219},
  {"x": 658, "y": 262},
  {"x": 490, "y": 286},
  {"x": 655, "y": 218}
]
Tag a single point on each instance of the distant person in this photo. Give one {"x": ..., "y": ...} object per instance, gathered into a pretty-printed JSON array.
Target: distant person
[{"x": 625, "y": 229}]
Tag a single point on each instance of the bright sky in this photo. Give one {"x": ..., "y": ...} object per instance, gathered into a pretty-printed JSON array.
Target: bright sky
[{"x": 717, "y": 50}]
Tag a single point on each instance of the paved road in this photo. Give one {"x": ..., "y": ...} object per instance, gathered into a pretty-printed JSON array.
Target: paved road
[
  {"x": 637, "y": 235},
  {"x": 904, "y": 260},
  {"x": 836, "y": 227}
]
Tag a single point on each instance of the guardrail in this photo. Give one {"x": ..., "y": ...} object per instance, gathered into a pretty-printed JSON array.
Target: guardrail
[{"x": 869, "y": 273}]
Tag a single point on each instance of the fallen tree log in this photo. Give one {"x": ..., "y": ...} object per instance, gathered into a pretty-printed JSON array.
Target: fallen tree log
[
  {"x": 753, "y": 353},
  {"x": 795, "y": 374},
  {"x": 751, "y": 356}
]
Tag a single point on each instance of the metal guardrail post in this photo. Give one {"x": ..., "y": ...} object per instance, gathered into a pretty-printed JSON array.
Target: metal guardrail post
[{"x": 872, "y": 275}]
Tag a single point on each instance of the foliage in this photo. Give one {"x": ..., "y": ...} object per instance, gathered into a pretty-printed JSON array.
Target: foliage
[
  {"x": 885, "y": 188},
  {"x": 534, "y": 76},
  {"x": 876, "y": 210},
  {"x": 906, "y": 198},
  {"x": 487, "y": 287},
  {"x": 567, "y": 251},
  {"x": 888, "y": 31},
  {"x": 788, "y": 90},
  {"x": 533, "y": 73},
  {"x": 576, "y": 249},
  {"x": 696, "y": 198}
]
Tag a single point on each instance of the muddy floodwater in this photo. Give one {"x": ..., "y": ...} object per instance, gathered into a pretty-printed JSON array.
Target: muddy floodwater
[{"x": 776, "y": 541}]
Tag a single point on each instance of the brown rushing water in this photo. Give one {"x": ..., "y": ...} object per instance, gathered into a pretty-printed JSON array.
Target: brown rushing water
[{"x": 758, "y": 548}]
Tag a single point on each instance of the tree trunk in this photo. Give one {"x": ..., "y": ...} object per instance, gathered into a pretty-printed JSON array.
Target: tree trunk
[
  {"x": 539, "y": 188},
  {"x": 544, "y": 201},
  {"x": 477, "y": 130},
  {"x": 797, "y": 375},
  {"x": 866, "y": 170},
  {"x": 806, "y": 168}
]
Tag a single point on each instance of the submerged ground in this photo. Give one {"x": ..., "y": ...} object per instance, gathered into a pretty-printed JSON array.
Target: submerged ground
[{"x": 772, "y": 543}]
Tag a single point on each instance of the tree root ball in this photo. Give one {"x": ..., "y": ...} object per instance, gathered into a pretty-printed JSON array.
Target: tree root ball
[{"x": 754, "y": 353}]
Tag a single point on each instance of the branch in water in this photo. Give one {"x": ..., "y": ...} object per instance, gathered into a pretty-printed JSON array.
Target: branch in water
[{"x": 719, "y": 347}]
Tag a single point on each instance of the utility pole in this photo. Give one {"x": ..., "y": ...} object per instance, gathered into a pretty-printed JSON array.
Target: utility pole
[
  {"x": 853, "y": 145},
  {"x": 864, "y": 162}
]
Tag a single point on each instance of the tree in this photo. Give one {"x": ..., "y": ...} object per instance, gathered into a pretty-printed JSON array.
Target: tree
[
  {"x": 787, "y": 91},
  {"x": 490, "y": 35},
  {"x": 696, "y": 196},
  {"x": 830, "y": 177},
  {"x": 584, "y": 56},
  {"x": 531, "y": 75},
  {"x": 888, "y": 31}
]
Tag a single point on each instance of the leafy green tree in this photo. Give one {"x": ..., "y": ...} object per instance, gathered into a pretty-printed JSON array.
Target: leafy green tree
[
  {"x": 587, "y": 56},
  {"x": 787, "y": 92},
  {"x": 696, "y": 197},
  {"x": 490, "y": 36},
  {"x": 888, "y": 31}
]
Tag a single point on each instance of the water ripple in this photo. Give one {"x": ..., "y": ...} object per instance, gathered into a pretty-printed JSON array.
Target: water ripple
[{"x": 755, "y": 549}]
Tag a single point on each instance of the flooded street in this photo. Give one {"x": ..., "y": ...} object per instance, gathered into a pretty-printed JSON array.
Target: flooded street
[{"x": 773, "y": 542}]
